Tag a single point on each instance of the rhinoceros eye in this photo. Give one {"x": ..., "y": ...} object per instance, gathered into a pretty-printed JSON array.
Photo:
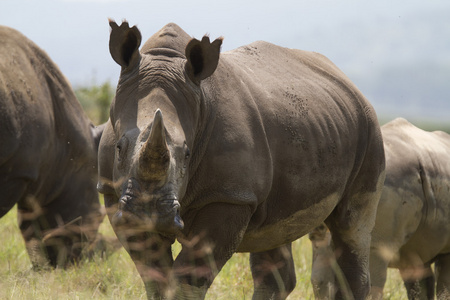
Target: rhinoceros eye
[
  {"x": 187, "y": 152},
  {"x": 119, "y": 149}
]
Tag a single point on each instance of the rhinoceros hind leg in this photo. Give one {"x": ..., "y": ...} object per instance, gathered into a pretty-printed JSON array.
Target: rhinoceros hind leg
[
  {"x": 442, "y": 266},
  {"x": 351, "y": 224},
  {"x": 273, "y": 273},
  {"x": 421, "y": 288}
]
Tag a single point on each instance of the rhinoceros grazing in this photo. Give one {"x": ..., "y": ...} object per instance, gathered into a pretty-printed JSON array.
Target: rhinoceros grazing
[
  {"x": 242, "y": 153},
  {"x": 48, "y": 155},
  {"x": 412, "y": 228}
]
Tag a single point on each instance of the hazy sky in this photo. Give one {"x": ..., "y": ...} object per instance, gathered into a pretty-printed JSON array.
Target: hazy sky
[
  {"x": 359, "y": 36},
  {"x": 75, "y": 33}
]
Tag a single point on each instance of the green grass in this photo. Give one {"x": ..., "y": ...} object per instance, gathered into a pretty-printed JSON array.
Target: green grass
[{"x": 113, "y": 276}]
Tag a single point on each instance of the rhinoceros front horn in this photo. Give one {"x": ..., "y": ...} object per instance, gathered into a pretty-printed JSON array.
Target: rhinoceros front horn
[{"x": 155, "y": 157}]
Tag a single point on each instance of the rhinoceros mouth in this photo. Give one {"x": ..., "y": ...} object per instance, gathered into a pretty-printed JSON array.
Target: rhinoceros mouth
[
  {"x": 167, "y": 205},
  {"x": 161, "y": 214}
]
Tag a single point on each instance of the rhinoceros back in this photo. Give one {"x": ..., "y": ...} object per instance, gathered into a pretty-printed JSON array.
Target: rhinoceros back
[
  {"x": 298, "y": 131},
  {"x": 45, "y": 134}
]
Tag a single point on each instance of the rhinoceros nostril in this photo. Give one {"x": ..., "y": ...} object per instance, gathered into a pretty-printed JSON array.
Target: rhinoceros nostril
[
  {"x": 123, "y": 202},
  {"x": 178, "y": 222}
]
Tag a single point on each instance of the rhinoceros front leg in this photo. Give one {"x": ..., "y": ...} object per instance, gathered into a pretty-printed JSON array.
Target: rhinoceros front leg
[
  {"x": 273, "y": 273},
  {"x": 213, "y": 235},
  {"x": 152, "y": 255},
  {"x": 150, "y": 252},
  {"x": 154, "y": 266}
]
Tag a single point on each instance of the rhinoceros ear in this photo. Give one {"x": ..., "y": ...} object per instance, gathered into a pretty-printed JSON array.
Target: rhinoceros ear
[
  {"x": 202, "y": 58},
  {"x": 124, "y": 44}
]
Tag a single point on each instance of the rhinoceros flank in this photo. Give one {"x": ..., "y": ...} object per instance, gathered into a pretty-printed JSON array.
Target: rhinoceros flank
[
  {"x": 48, "y": 154},
  {"x": 412, "y": 227},
  {"x": 244, "y": 151}
]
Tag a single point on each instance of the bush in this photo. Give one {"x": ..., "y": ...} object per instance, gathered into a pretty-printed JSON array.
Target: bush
[{"x": 96, "y": 101}]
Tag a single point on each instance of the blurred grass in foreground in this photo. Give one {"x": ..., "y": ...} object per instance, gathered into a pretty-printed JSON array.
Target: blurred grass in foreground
[{"x": 113, "y": 275}]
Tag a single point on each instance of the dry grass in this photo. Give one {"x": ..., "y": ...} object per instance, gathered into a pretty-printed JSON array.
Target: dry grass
[{"x": 113, "y": 276}]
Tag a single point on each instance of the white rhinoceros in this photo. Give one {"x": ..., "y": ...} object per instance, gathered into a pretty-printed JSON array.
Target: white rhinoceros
[
  {"x": 242, "y": 153},
  {"x": 412, "y": 228},
  {"x": 48, "y": 154}
]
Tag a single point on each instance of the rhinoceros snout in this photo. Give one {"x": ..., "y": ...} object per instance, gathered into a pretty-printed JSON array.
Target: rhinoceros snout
[
  {"x": 166, "y": 218},
  {"x": 169, "y": 215},
  {"x": 126, "y": 210},
  {"x": 178, "y": 222}
]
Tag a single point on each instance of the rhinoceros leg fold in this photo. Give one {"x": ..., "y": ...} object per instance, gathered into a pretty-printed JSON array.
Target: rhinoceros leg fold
[
  {"x": 207, "y": 247},
  {"x": 273, "y": 273},
  {"x": 442, "y": 267}
]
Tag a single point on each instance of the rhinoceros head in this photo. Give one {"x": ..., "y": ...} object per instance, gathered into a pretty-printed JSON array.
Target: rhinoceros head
[
  {"x": 154, "y": 118},
  {"x": 150, "y": 167}
]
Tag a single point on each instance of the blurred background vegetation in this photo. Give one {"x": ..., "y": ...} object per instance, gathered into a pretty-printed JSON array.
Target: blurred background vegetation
[{"x": 96, "y": 100}]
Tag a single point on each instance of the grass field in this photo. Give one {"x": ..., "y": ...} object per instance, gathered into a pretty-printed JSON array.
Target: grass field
[{"x": 113, "y": 276}]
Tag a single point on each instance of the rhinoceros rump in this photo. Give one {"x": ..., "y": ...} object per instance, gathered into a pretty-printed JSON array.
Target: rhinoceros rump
[
  {"x": 48, "y": 154},
  {"x": 245, "y": 153},
  {"x": 412, "y": 227}
]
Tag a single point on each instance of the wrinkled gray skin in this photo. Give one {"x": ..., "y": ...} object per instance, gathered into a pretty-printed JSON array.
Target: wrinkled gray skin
[
  {"x": 245, "y": 153},
  {"x": 48, "y": 154},
  {"x": 412, "y": 228}
]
